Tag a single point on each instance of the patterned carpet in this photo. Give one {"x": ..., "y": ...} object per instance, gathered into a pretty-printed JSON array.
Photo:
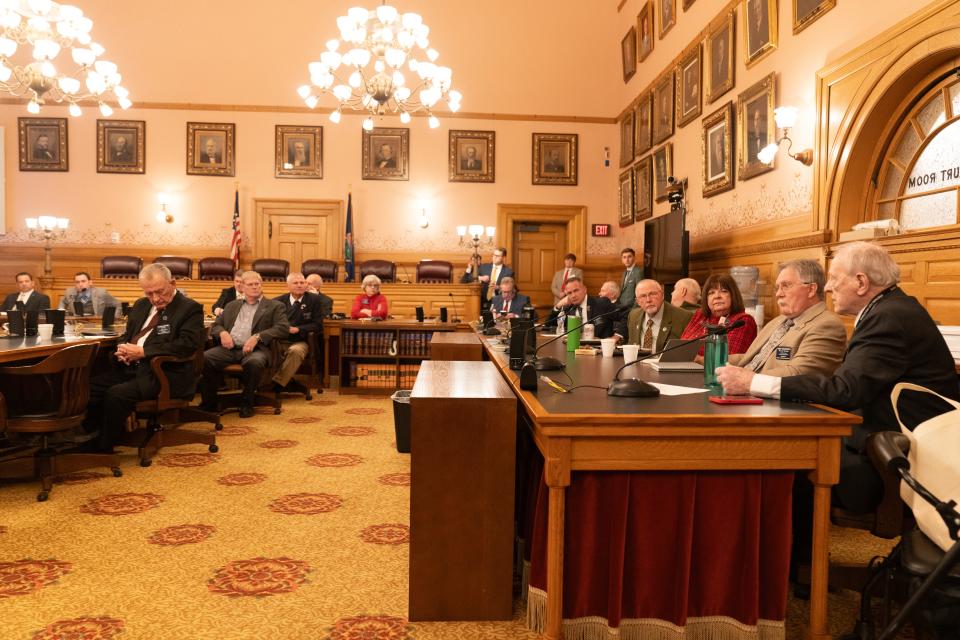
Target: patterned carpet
[{"x": 296, "y": 529}]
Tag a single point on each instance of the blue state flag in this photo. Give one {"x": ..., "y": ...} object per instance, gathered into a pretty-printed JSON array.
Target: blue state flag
[{"x": 348, "y": 264}]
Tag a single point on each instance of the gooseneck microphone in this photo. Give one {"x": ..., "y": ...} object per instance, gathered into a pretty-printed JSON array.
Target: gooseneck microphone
[{"x": 455, "y": 319}]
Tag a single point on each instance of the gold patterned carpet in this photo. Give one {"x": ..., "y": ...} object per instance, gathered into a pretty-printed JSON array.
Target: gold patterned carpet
[{"x": 296, "y": 529}]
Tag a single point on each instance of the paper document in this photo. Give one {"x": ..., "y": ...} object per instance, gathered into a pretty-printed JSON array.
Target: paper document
[{"x": 675, "y": 390}]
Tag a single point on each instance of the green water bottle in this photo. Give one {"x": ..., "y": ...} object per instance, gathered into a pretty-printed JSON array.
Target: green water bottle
[
  {"x": 573, "y": 338},
  {"x": 714, "y": 355}
]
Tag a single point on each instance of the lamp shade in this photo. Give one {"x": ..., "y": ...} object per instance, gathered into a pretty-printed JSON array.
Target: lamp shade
[{"x": 786, "y": 117}]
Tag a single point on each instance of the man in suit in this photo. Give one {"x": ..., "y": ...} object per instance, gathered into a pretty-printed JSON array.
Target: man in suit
[
  {"x": 41, "y": 149},
  {"x": 610, "y": 291},
  {"x": 162, "y": 323},
  {"x": 653, "y": 321},
  {"x": 493, "y": 271},
  {"x": 470, "y": 161},
  {"x": 210, "y": 154},
  {"x": 630, "y": 277},
  {"x": 576, "y": 302},
  {"x": 27, "y": 296},
  {"x": 385, "y": 159},
  {"x": 314, "y": 285},
  {"x": 894, "y": 340},
  {"x": 245, "y": 329},
  {"x": 297, "y": 154},
  {"x": 554, "y": 163},
  {"x": 805, "y": 337},
  {"x": 560, "y": 277},
  {"x": 94, "y": 299},
  {"x": 304, "y": 316},
  {"x": 508, "y": 302},
  {"x": 122, "y": 152},
  {"x": 686, "y": 294},
  {"x": 229, "y": 294}
]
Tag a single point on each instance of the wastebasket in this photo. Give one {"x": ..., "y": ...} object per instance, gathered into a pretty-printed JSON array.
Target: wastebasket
[{"x": 401, "y": 419}]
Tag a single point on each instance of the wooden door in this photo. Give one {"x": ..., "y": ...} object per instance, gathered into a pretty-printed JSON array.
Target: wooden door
[
  {"x": 538, "y": 250},
  {"x": 298, "y": 230}
]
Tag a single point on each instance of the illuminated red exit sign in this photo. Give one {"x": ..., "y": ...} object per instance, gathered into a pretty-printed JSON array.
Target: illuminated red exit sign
[{"x": 601, "y": 231}]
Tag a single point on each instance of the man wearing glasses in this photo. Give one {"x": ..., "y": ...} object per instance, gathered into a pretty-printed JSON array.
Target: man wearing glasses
[{"x": 488, "y": 272}]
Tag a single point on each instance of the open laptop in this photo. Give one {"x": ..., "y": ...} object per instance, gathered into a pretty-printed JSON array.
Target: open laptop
[{"x": 678, "y": 359}]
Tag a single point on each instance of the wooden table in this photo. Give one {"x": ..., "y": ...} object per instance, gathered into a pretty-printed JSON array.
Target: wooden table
[
  {"x": 14, "y": 349},
  {"x": 460, "y": 346},
  {"x": 588, "y": 430}
]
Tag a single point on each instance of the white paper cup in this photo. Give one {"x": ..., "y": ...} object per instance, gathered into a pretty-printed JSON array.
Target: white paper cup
[
  {"x": 608, "y": 346},
  {"x": 45, "y": 331},
  {"x": 586, "y": 332},
  {"x": 630, "y": 352}
]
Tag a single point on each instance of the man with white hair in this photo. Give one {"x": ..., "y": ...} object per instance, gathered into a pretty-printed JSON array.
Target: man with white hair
[
  {"x": 686, "y": 294},
  {"x": 305, "y": 317},
  {"x": 315, "y": 286}
]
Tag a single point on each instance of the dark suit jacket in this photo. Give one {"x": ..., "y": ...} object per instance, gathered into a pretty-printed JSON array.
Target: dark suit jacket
[
  {"x": 227, "y": 294},
  {"x": 326, "y": 305},
  {"x": 516, "y": 305},
  {"x": 307, "y": 316},
  {"x": 178, "y": 333},
  {"x": 465, "y": 165},
  {"x": 486, "y": 269},
  {"x": 36, "y": 302},
  {"x": 596, "y": 305},
  {"x": 270, "y": 321},
  {"x": 628, "y": 285},
  {"x": 895, "y": 341},
  {"x": 206, "y": 158}
]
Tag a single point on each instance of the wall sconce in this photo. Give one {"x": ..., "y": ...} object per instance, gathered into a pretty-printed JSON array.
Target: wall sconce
[
  {"x": 470, "y": 237},
  {"x": 163, "y": 215},
  {"x": 423, "y": 222},
  {"x": 48, "y": 229},
  {"x": 786, "y": 118}
]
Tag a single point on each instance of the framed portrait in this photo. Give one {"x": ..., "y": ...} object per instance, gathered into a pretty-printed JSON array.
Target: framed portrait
[
  {"x": 626, "y": 139},
  {"x": 642, "y": 124},
  {"x": 806, "y": 12},
  {"x": 719, "y": 72},
  {"x": 386, "y": 154},
  {"x": 643, "y": 189},
  {"x": 628, "y": 54},
  {"x": 668, "y": 16},
  {"x": 211, "y": 149},
  {"x": 645, "y": 37},
  {"x": 298, "y": 151},
  {"x": 121, "y": 146},
  {"x": 689, "y": 86},
  {"x": 755, "y": 126},
  {"x": 759, "y": 29},
  {"x": 555, "y": 158},
  {"x": 717, "y": 151},
  {"x": 43, "y": 144},
  {"x": 626, "y": 198},
  {"x": 662, "y": 169},
  {"x": 663, "y": 108},
  {"x": 472, "y": 156}
]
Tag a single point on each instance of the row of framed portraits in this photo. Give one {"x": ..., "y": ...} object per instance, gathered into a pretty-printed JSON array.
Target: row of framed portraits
[
  {"x": 729, "y": 146},
  {"x": 211, "y": 151}
]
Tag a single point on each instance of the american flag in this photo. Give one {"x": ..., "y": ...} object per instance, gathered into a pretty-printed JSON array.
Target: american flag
[{"x": 235, "y": 237}]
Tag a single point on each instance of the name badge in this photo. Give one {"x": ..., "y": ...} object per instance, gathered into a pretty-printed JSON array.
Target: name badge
[
  {"x": 163, "y": 329},
  {"x": 784, "y": 353}
]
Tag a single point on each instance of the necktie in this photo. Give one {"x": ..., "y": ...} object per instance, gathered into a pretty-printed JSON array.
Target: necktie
[
  {"x": 84, "y": 296},
  {"x": 758, "y": 360},
  {"x": 626, "y": 274},
  {"x": 506, "y": 305},
  {"x": 494, "y": 272},
  {"x": 147, "y": 328},
  {"x": 648, "y": 336},
  {"x": 566, "y": 274}
]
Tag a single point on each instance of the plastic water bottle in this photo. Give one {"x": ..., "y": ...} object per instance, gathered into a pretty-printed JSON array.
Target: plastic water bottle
[
  {"x": 714, "y": 355},
  {"x": 561, "y": 323}
]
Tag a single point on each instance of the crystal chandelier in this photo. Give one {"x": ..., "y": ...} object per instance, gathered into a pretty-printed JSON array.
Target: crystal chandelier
[
  {"x": 33, "y": 33},
  {"x": 377, "y": 44}
]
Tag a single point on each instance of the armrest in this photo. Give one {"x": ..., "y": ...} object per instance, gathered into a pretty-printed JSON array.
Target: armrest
[
  {"x": 156, "y": 364},
  {"x": 882, "y": 448}
]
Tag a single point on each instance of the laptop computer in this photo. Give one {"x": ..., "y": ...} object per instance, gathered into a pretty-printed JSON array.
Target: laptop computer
[{"x": 679, "y": 358}]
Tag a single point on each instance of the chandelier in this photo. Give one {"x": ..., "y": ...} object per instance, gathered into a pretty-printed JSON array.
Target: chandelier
[
  {"x": 33, "y": 33},
  {"x": 377, "y": 45}
]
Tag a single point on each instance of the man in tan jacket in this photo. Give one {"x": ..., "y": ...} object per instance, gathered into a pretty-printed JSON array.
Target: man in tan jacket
[{"x": 806, "y": 337}]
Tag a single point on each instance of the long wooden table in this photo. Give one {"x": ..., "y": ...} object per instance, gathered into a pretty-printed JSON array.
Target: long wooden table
[
  {"x": 587, "y": 430},
  {"x": 16, "y": 349}
]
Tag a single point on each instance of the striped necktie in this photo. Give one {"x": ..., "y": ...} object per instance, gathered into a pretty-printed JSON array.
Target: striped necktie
[
  {"x": 647, "y": 343},
  {"x": 758, "y": 360}
]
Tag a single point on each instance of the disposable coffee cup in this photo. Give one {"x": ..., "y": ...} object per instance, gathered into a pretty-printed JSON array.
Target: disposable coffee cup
[
  {"x": 630, "y": 352},
  {"x": 608, "y": 346},
  {"x": 45, "y": 331},
  {"x": 587, "y": 332}
]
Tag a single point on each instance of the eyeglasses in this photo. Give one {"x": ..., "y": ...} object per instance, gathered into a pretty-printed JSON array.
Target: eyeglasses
[{"x": 786, "y": 286}]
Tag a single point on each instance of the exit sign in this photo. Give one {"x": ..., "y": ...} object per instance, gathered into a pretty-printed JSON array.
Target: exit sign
[{"x": 601, "y": 231}]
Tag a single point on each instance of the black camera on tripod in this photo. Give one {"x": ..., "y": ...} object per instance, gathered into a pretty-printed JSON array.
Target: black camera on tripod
[{"x": 676, "y": 190}]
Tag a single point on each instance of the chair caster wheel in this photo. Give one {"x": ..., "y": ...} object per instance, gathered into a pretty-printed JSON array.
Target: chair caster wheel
[
  {"x": 116, "y": 472},
  {"x": 213, "y": 448},
  {"x": 319, "y": 391},
  {"x": 42, "y": 496},
  {"x": 145, "y": 462},
  {"x": 308, "y": 396},
  {"x": 276, "y": 411},
  {"x": 218, "y": 426}
]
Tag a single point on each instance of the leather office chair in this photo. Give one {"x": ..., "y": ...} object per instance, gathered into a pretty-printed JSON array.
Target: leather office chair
[
  {"x": 272, "y": 269},
  {"x": 329, "y": 270},
  {"x": 265, "y": 396},
  {"x": 434, "y": 272},
  {"x": 165, "y": 414},
  {"x": 180, "y": 266},
  {"x": 215, "y": 269},
  {"x": 383, "y": 269},
  {"x": 120, "y": 267},
  {"x": 59, "y": 390}
]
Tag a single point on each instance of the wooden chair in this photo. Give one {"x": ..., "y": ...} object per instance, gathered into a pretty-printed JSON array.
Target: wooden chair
[
  {"x": 383, "y": 269},
  {"x": 265, "y": 396},
  {"x": 65, "y": 376},
  {"x": 329, "y": 270},
  {"x": 164, "y": 414}
]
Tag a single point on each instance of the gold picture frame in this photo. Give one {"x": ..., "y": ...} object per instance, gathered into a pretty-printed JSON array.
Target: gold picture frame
[
  {"x": 298, "y": 151},
  {"x": 687, "y": 4},
  {"x": 643, "y": 189},
  {"x": 719, "y": 54},
  {"x": 806, "y": 12},
  {"x": 626, "y": 139},
  {"x": 689, "y": 92},
  {"x": 121, "y": 146},
  {"x": 555, "y": 158},
  {"x": 625, "y": 194},
  {"x": 662, "y": 169},
  {"x": 759, "y": 30},
  {"x": 667, "y": 17},
  {"x": 211, "y": 148},
  {"x": 756, "y": 127},
  {"x": 43, "y": 144},
  {"x": 663, "y": 108},
  {"x": 645, "y": 39},
  {"x": 472, "y": 156},
  {"x": 643, "y": 124},
  {"x": 386, "y": 154},
  {"x": 717, "y": 151},
  {"x": 628, "y": 54}
]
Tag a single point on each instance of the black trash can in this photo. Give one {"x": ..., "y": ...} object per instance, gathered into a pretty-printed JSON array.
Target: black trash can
[{"x": 401, "y": 419}]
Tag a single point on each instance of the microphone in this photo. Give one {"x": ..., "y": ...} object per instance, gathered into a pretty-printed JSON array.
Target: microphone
[
  {"x": 453, "y": 301},
  {"x": 406, "y": 274}
]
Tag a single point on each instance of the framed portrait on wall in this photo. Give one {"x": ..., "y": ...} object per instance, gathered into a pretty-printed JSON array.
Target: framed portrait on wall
[
  {"x": 43, "y": 144},
  {"x": 719, "y": 72},
  {"x": 668, "y": 16},
  {"x": 211, "y": 148},
  {"x": 755, "y": 126},
  {"x": 628, "y": 54},
  {"x": 642, "y": 124},
  {"x": 806, "y": 12},
  {"x": 689, "y": 84},
  {"x": 555, "y": 158},
  {"x": 717, "y": 151},
  {"x": 662, "y": 169},
  {"x": 759, "y": 29},
  {"x": 472, "y": 156},
  {"x": 298, "y": 151},
  {"x": 663, "y": 108},
  {"x": 645, "y": 37},
  {"x": 626, "y": 139},
  {"x": 626, "y": 198},
  {"x": 643, "y": 189},
  {"x": 386, "y": 154},
  {"x": 121, "y": 146}
]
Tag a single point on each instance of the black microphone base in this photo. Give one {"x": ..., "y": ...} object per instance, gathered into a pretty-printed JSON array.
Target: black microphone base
[
  {"x": 632, "y": 388},
  {"x": 548, "y": 363},
  {"x": 528, "y": 377},
  {"x": 492, "y": 331}
]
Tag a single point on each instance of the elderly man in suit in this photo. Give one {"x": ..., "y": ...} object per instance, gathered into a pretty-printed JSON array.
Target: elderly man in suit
[
  {"x": 314, "y": 285},
  {"x": 508, "y": 302},
  {"x": 493, "y": 271},
  {"x": 576, "y": 302},
  {"x": 26, "y": 296},
  {"x": 653, "y": 321},
  {"x": 630, "y": 277},
  {"x": 162, "y": 323},
  {"x": 229, "y": 294},
  {"x": 245, "y": 329},
  {"x": 560, "y": 277},
  {"x": 686, "y": 294},
  {"x": 305, "y": 317},
  {"x": 94, "y": 299}
]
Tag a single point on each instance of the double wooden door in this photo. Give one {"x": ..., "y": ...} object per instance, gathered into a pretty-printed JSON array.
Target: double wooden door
[
  {"x": 298, "y": 230},
  {"x": 538, "y": 250}
]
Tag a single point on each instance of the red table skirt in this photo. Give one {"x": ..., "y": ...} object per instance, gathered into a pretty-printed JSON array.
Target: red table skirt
[{"x": 666, "y": 555}]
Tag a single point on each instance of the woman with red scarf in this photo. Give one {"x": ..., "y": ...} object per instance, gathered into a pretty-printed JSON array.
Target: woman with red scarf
[{"x": 722, "y": 304}]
